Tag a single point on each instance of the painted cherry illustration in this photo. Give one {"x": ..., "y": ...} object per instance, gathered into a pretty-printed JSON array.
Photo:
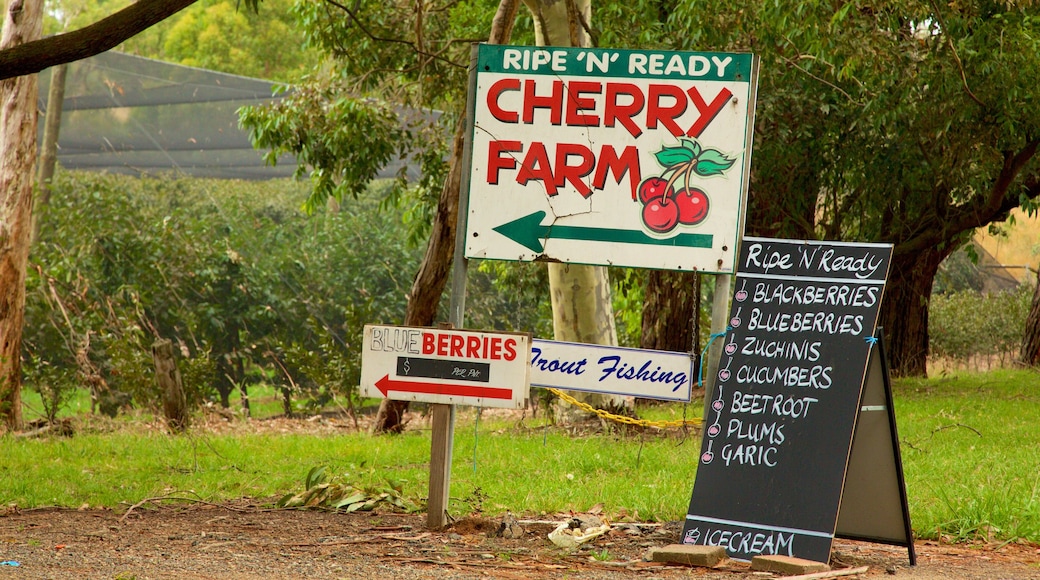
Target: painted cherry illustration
[
  {"x": 741, "y": 294},
  {"x": 731, "y": 348},
  {"x": 714, "y": 430},
  {"x": 717, "y": 405},
  {"x": 707, "y": 456},
  {"x": 693, "y": 206},
  {"x": 652, "y": 188},
  {"x": 661, "y": 215},
  {"x": 665, "y": 207}
]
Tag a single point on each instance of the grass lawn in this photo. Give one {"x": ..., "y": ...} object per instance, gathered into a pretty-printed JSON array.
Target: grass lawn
[{"x": 970, "y": 447}]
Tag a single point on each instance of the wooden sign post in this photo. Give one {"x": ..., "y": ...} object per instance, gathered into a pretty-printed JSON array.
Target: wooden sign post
[
  {"x": 779, "y": 432},
  {"x": 446, "y": 368}
]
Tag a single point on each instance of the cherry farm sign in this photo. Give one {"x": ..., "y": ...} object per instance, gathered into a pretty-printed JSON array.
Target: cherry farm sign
[{"x": 610, "y": 157}]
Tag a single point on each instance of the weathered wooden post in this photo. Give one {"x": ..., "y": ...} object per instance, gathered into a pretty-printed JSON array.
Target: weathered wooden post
[{"x": 175, "y": 408}]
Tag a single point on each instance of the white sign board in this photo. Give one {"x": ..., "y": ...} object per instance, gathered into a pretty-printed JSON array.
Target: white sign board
[
  {"x": 650, "y": 374},
  {"x": 452, "y": 367},
  {"x": 610, "y": 157}
]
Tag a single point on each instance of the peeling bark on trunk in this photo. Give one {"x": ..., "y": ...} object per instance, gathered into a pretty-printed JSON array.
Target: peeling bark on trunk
[
  {"x": 428, "y": 286},
  {"x": 581, "y": 301},
  {"x": 670, "y": 310},
  {"x": 904, "y": 312},
  {"x": 23, "y": 20},
  {"x": 425, "y": 295}
]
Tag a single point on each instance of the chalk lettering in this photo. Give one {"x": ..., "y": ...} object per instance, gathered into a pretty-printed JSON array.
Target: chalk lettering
[
  {"x": 817, "y": 377},
  {"x": 777, "y": 405},
  {"x": 745, "y": 542},
  {"x": 792, "y": 350},
  {"x": 755, "y": 432},
  {"x": 857, "y": 296},
  {"x": 862, "y": 267},
  {"x": 750, "y": 455},
  {"x": 822, "y": 322},
  {"x": 764, "y": 257}
]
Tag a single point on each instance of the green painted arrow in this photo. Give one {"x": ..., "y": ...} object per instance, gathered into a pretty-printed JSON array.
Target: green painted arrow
[{"x": 529, "y": 232}]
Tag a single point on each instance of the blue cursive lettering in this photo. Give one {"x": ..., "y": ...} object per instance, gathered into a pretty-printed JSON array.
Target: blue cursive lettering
[
  {"x": 556, "y": 365},
  {"x": 612, "y": 366}
]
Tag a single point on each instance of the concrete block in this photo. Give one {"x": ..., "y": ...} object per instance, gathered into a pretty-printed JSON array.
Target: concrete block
[
  {"x": 688, "y": 555},
  {"x": 787, "y": 565}
]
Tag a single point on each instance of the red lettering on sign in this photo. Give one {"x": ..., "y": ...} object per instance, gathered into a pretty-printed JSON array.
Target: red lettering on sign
[
  {"x": 496, "y": 161},
  {"x": 553, "y": 102},
  {"x": 492, "y": 100},
  {"x": 574, "y": 173},
  {"x": 707, "y": 112},
  {"x": 572, "y": 163},
  {"x": 536, "y": 167},
  {"x": 577, "y": 103},
  {"x": 618, "y": 166},
  {"x": 658, "y": 111},
  {"x": 457, "y": 342},
  {"x": 469, "y": 346},
  {"x": 614, "y": 111},
  {"x": 622, "y": 103}
]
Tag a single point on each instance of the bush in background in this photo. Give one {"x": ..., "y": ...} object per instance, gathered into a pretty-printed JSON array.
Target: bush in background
[{"x": 978, "y": 331}]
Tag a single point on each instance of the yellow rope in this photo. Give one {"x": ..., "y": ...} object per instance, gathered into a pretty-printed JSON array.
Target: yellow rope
[{"x": 621, "y": 418}]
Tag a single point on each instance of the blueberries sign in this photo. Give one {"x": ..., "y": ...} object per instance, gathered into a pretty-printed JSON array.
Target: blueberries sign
[
  {"x": 609, "y": 157},
  {"x": 778, "y": 435}
]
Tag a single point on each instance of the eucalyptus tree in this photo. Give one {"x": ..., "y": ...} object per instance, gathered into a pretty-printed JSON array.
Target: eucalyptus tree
[
  {"x": 342, "y": 123},
  {"x": 903, "y": 121},
  {"x": 22, "y": 53}
]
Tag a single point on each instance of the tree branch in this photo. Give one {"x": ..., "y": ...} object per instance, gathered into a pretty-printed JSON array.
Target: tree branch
[
  {"x": 413, "y": 45},
  {"x": 982, "y": 210},
  {"x": 957, "y": 59},
  {"x": 105, "y": 34}
]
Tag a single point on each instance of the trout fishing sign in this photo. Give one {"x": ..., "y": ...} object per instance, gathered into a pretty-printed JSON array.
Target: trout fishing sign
[{"x": 609, "y": 157}]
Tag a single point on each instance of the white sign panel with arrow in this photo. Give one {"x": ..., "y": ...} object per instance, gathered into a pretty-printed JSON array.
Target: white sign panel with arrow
[
  {"x": 610, "y": 157},
  {"x": 453, "y": 367}
]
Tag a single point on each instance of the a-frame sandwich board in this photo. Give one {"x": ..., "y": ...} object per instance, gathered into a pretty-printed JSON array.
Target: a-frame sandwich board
[{"x": 873, "y": 504}]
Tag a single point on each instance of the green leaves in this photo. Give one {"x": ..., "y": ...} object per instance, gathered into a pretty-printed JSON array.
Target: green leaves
[
  {"x": 672, "y": 156},
  {"x": 318, "y": 493},
  {"x": 691, "y": 156},
  {"x": 342, "y": 141},
  {"x": 712, "y": 162}
]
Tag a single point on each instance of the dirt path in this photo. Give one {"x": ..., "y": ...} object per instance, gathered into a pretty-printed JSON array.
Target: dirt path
[{"x": 241, "y": 540}]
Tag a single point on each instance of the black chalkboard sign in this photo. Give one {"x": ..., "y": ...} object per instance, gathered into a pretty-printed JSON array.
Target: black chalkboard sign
[{"x": 779, "y": 429}]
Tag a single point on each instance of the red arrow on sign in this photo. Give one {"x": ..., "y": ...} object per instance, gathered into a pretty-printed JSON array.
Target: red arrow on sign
[{"x": 386, "y": 384}]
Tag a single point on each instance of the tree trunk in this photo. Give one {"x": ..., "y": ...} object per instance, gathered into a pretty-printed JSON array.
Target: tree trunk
[
  {"x": 670, "y": 310},
  {"x": 175, "y": 408},
  {"x": 904, "y": 312},
  {"x": 23, "y": 22},
  {"x": 425, "y": 295},
  {"x": 1030, "y": 353},
  {"x": 49, "y": 147},
  {"x": 581, "y": 301},
  {"x": 581, "y": 309}
]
